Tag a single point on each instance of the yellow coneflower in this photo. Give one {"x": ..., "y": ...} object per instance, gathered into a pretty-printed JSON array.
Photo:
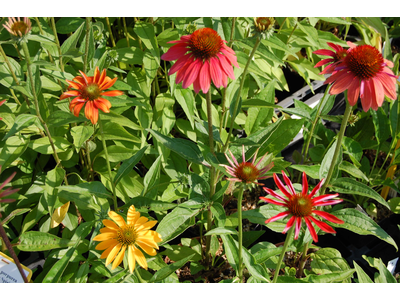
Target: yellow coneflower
[{"x": 119, "y": 236}]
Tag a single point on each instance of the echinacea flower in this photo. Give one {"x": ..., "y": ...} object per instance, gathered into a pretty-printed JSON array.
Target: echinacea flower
[
  {"x": 7, "y": 191},
  {"x": 247, "y": 172},
  {"x": 263, "y": 26},
  {"x": 89, "y": 90},
  {"x": 365, "y": 73},
  {"x": 18, "y": 27},
  {"x": 201, "y": 57},
  {"x": 1, "y": 103},
  {"x": 119, "y": 236},
  {"x": 337, "y": 56},
  {"x": 302, "y": 206}
]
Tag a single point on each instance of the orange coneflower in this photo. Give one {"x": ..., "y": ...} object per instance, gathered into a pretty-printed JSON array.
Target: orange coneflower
[
  {"x": 89, "y": 90},
  {"x": 119, "y": 236}
]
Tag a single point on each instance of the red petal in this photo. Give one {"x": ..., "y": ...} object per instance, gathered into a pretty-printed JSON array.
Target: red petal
[
  {"x": 277, "y": 217},
  {"x": 305, "y": 184},
  {"x": 205, "y": 77},
  {"x": 215, "y": 71},
  {"x": 328, "y": 216},
  {"x": 288, "y": 183},
  {"x": 311, "y": 228},
  {"x": 112, "y": 93},
  {"x": 281, "y": 186}
]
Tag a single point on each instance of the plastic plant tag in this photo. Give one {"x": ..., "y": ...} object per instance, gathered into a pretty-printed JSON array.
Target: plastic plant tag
[
  {"x": 9, "y": 272},
  {"x": 391, "y": 266}
]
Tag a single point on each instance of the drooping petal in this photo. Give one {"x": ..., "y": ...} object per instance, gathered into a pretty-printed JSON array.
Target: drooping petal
[
  {"x": 328, "y": 216},
  {"x": 140, "y": 257},
  {"x": 323, "y": 226},
  {"x": 298, "y": 227},
  {"x": 180, "y": 63},
  {"x": 149, "y": 250},
  {"x": 278, "y": 217},
  {"x": 289, "y": 224},
  {"x": 215, "y": 71},
  {"x": 192, "y": 72},
  {"x": 175, "y": 52},
  {"x": 353, "y": 91},
  {"x": 118, "y": 259},
  {"x": 205, "y": 77},
  {"x": 102, "y": 104},
  {"x": 131, "y": 258}
]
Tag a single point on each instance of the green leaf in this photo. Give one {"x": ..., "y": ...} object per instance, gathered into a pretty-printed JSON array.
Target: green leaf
[
  {"x": 70, "y": 43},
  {"x": 384, "y": 274},
  {"x": 328, "y": 260},
  {"x": 360, "y": 223},
  {"x": 79, "y": 195},
  {"x": 327, "y": 162},
  {"x": 185, "y": 99},
  {"x": 80, "y": 135},
  {"x": 219, "y": 213},
  {"x": 311, "y": 170},
  {"x": 185, "y": 148},
  {"x": 352, "y": 170},
  {"x": 60, "y": 118},
  {"x": 334, "y": 20},
  {"x": 394, "y": 204},
  {"x": 221, "y": 230},
  {"x": 116, "y": 153},
  {"x": 67, "y": 25},
  {"x": 114, "y": 131},
  {"x": 130, "y": 55},
  {"x": 381, "y": 124},
  {"x": 121, "y": 120},
  {"x": 331, "y": 277},
  {"x": 361, "y": 275},
  {"x": 169, "y": 269},
  {"x": 151, "y": 179},
  {"x": 376, "y": 23},
  {"x": 43, "y": 146},
  {"x": 173, "y": 221},
  {"x": 32, "y": 241},
  {"x": 14, "y": 213},
  {"x": 55, "y": 273},
  {"x": 21, "y": 122},
  {"x": 352, "y": 186},
  {"x": 127, "y": 165},
  {"x": 145, "y": 32},
  {"x": 176, "y": 252},
  {"x": 13, "y": 148},
  {"x": 231, "y": 251},
  {"x": 154, "y": 205}
]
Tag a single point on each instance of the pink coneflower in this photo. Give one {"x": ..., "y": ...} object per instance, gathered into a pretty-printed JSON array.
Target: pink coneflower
[
  {"x": 18, "y": 27},
  {"x": 1, "y": 103},
  {"x": 201, "y": 57},
  {"x": 89, "y": 90},
  {"x": 247, "y": 172},
  {"x": 337, "y": 57},
  {"x": 365, "y": 73},
  {"x": 301, "y": 206}
]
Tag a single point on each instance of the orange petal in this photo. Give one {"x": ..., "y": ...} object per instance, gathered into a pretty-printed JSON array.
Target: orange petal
[
  {"x": 117, "y": 218},
  {"x": 96, "y": 75},
  {"x": 107, "y": 244},
  {"x": 119, "y": 258},
  {"x": 108, "y": 84},
  {"x": 112, "y": 93},
  {"x": 113, "y": 253},
  {"x": 110, "y": 224},
  {"x": 68, "y": 94},
  {"x": 85, "y": 77},
  {"x": 77, "y": 108},
  {"x": 75, "y": 85},
  {"x": 102, "y": 77},
  {"x": 102, "y": 104}
]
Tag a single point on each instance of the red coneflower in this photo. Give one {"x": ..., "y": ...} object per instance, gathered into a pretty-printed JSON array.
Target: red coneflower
[
  {"x": 365, "y": 73},
  {"x": 201, "y": 57},
  {"x": 337, "y": 57},
  {"x": 18, "y": 27},
  {"x": 302, "y": 206},
  {"x": 247, "y": 172},
  {"x": 89, "y": 90}
]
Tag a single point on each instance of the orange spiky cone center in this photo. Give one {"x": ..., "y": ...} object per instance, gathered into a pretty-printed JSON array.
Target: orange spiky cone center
[
  {"x": 126, "y": 235},
  {"x": 300, "y": 205},
  {"x": 364, "y": 61},
  {"x": 247, "y": 172},
  {"x": 205, "y": 43},
  {"x": 91, "y": 92},
  {"x": 19, "y": 26}
]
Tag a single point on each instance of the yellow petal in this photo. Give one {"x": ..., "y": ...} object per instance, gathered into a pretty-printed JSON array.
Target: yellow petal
[
  {"x": 106, "y": 229},
  {"x": 133, "y": 215},
  {"x": 117, "y": 218},
  {"x": 106, "y": 252},
  {"x": 119, "y": 258},
  {"x": 110, "y": 224},
  {"x": 105, "y": 236},
  {"x": 59, "y": 215},
  {"x": 112, "y": 254},
  {"x": 141, "y": 221},
  {"x": 106, "y": 244},
  {"x": 140, "y": 257},
  {"x": 149, "y": 250},
  {"x": 146, "y": 226},
  {"x": 131, "y": 259}
]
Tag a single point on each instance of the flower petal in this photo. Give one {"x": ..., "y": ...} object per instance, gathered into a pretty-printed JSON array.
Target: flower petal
[
  {"x": 278, "y": 216},
  {"x": 328, "y": 216},
  {"x": 117, "y": 218},
  {"x": 118, "y": 259}
]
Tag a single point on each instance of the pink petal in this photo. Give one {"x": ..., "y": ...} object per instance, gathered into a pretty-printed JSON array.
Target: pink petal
[
  {"x": 311, "y": 228},
  {"x": 325, "y": 52},
  {"x": 180, "y": 63},
  {"x": 226, "y": 66},
  {"x": 325, "y": 227},
  {"x": 273, "y": 201},
  {"x": 317, "y": 187},
  {"x": 298, "y": 227},
  {"x": 341, "y": 84},
  {"x": 328, "y": 216},
  {"x": 353, "y": 91},
  {"x": 277, "y": 217},
  {"x": 205, "y": 77},
  {"x": 215, "y": 71},
  {"x": 175, "y": 52},
  {"x": 305, "y": 184},
  {"x": 230, "y": 56},
  {"x": 366, "y": 97},
  {"x": 324, "y": 62},
  {"x": 192, "y": 72},
  {"x": 272, "y": 193}
]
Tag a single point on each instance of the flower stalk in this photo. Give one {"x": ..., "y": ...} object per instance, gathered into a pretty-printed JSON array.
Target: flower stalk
[
  {"x": 53, "y": 26},
  {"x": 240, "y": 231},
  {"x": 339, "y": 139},
  {"x": 257, "y": 43},
  {"x": 114, "y": 194},
  {"x": 284, "y": 248}
]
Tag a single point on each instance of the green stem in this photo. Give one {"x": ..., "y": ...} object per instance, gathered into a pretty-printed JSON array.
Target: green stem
[
  {"x": 85, "y": 57},
  {"x": 13, "y": 75},
  {"x": 108, "y": 164},
  {"x": 36, "y": 102},
  {"x": 314, "y": 124},
  {"x": 285, "y": 246},
  {"x": 4, "y": 236},
  {"x": 212, "y": 174},
  {"x": 303, "y": 259},
  {"x": 240, "y": 229},
  {"x": 53, "y": 26},
  {"x": 110, "y": 31},
  {"x": 240, "y": 91},
  {"x": 232, "y": 32},
  {"x": 338, "y": 145},
  {"x": 126, "y": 31}
]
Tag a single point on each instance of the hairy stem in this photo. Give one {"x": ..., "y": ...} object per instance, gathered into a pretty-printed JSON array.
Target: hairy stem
[{"x": 284, "y": 248}]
